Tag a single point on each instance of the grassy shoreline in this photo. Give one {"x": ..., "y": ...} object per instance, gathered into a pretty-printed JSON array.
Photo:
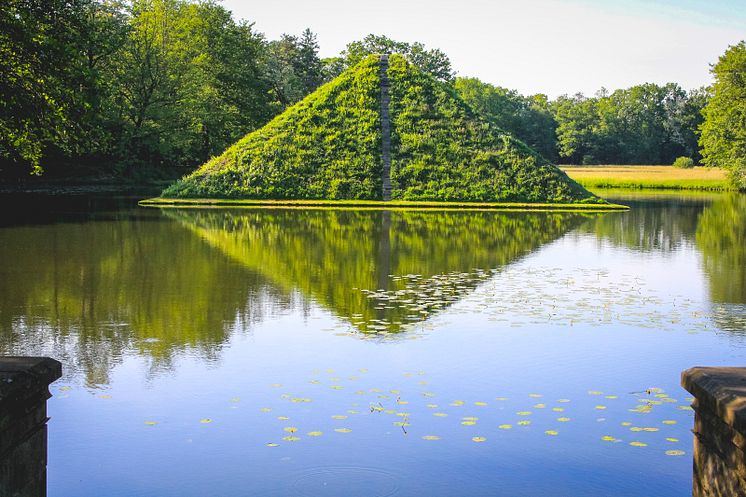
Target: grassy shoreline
[
  {"x": 374, "y": 204},
  {"x": 649, "y": 177}
]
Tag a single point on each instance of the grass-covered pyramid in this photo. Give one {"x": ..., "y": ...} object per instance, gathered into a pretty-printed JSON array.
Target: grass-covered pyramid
[{"x": 329, "y": 146}]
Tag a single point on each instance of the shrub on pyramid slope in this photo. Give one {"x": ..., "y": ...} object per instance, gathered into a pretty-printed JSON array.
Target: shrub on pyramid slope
[
  {"x": 328, "y": 146},
  {"x": 441, "y": 150}
]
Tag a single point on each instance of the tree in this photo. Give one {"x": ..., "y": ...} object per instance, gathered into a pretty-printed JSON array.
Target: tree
[
  {"x": 723, "y": 138},
  {"x": 577, "y": 128},
  {"x": 293, "y": 67},
  {"x": 331, "y": 67},
  {"x": 527, "y": 118},
  {"x": 190, "y": 83},
  {"x": 686, "y": 120},
  {"x": 433, "y": 61},
  {"x": 97, "y": 123},
  {"x": 36, "y": 40},
  {"x": 643, "y": 124}
]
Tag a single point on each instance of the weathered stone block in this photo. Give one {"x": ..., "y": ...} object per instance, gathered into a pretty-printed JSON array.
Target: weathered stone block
[
  {"x": 24, "y": 390},
  {"x": 719, "y": 430}
]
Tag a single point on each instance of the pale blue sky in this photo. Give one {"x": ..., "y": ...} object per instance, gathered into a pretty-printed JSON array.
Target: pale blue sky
[{"x": 534, "y": 46}]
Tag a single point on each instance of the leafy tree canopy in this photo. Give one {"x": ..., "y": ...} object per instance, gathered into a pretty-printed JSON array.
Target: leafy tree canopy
[
  {"x": 723, "y": 137},
  {"x": 527, "y": 118},
  {"x": 433, "y": 61}
]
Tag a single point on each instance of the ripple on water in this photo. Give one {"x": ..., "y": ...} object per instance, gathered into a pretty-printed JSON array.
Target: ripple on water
[{"x": 345, "y": 480}]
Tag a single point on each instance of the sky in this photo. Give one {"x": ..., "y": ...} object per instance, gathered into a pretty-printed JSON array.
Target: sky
[{"x": 553, "y": 47}]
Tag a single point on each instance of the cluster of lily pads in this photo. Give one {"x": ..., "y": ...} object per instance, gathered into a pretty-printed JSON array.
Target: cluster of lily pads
[
  {"x": 648, "y": 416},
  {"x": 522, "y": 295}
]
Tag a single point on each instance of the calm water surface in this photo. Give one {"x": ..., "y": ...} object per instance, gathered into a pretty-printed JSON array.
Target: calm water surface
[{"x": 337, "y": 353}]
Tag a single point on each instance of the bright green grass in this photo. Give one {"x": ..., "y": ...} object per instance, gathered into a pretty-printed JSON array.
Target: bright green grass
[
  {"x": 680, "y": 195},
  {"x": 647, "y": 177},
  {"x": 705, "y": 185},
  {"x": 376, "y": 204}
]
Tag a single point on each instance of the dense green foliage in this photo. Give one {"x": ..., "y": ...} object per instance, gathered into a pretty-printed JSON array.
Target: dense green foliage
[
  {"x": 442, "y": 150},
  {"x": 683, "y": 163},
  {"x": 328, "y": 146},
  {"x": 294, "y": 67},
  {"x": 126, "y": 87},
  {"x": 53, "y": 57},
  {"x": 645, "y": 124},
  {"x": 192, "y": 82},
  {"x": 529, "y": 119},
  {"x": 723, "y": 137},
  {"x": 433, "y": 61}
]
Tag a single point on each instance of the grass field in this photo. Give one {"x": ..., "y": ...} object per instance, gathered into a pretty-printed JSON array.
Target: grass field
[
  {"x": 660, "y": 177},
  {"x": 376, "y": 204}
]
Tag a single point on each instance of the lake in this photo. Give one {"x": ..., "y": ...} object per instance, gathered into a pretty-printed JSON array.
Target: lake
[{"x": 264, "y": 352}]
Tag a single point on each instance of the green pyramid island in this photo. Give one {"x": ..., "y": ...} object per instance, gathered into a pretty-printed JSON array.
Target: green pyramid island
[{"x": 382, "y": 130}]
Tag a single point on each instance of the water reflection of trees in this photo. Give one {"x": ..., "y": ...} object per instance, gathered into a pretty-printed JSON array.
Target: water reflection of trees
[
  {"x": 92, "y": 293},
  {"x": 331, "y": 255},
  {"x": 663, "y": 225},
  {"x": 88, "y": 292},
  {"x": 714, "y": 224},
  {"x": 721, "y": 238}
]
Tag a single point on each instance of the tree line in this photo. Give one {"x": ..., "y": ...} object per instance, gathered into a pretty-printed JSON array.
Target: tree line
[
  {"x": 139, "y": 87},
  {"x": 644, "y": 124}
]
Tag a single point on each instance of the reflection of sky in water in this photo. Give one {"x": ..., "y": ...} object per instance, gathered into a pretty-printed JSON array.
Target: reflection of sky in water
[{"x": 564, "y": 358}]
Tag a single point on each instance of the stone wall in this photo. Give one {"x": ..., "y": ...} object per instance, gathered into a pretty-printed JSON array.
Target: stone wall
[
  {"x": 719, "y": 430},
  {"x": 24, "y": 390}
]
